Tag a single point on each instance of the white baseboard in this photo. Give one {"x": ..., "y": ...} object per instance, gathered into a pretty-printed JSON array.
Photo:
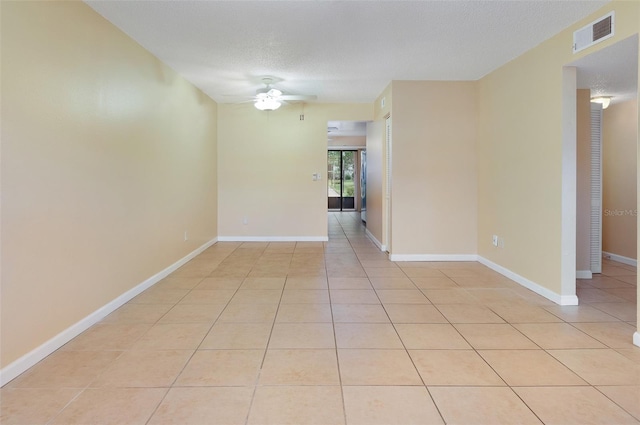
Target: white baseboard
[
  {"x": 273, "y": 238},
  {"x": 376, "y": 241},
  {"x": 538, "y": 289},
  {"x": 433, "y": 257},
  {"x": 19, "y": 366},
  {"x": 636, "y": 338},
  {"x": 620, "y": 259},
  {"x": 584, "y": 274}
]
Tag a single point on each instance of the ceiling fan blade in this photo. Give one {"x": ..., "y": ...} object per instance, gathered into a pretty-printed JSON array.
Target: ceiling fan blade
[
  {"x": 237, "y": 100},
  {"x": 297, "y": 97},
  {"x": 233, "y": 98}
]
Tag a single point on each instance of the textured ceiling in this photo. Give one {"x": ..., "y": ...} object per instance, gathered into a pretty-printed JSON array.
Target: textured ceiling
[{"x": 341, "y": 51}]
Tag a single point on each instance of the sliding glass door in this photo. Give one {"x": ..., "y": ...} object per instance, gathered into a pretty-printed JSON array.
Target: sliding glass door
[{"x": 341, "y": 175}]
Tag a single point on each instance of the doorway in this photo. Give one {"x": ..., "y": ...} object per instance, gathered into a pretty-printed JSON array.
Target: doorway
[
  {"x": 600, "y": 73},
  {"x": 341, "y": 179},
  {"x": 609, "y": 180}
]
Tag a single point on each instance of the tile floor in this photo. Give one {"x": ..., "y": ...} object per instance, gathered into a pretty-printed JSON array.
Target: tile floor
[{"x": 335, "y": 333}]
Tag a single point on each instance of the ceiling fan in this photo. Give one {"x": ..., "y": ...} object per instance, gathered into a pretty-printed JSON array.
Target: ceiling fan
[{"x": 268, "y": 98}]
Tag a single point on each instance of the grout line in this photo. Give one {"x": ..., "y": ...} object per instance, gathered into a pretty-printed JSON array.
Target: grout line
[
  {"x": 406, "y": 351},
  {"x": 74, "y": 398},
  {"x": 155, "y": 409},
  {"x": 527, "y": 406},
  {"x": 335, "y": 340},
  {"x": 613, "y": 401}
]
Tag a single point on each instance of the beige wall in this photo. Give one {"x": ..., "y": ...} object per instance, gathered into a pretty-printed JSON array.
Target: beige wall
[
  {"x": 619, "y": 169},
  {"x": 520, "y": 153},
  {"x": 108, "y": 157},
  {"x": 434, "y": 186},
  {"x": 265, "y": 166},
  {"x": 583, "y": 171},
  {"x": 519, "y": 168}
]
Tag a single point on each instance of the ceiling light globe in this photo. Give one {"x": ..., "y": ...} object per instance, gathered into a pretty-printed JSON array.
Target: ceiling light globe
[
  {"x": 267, "y": 104},
  {"x": 603, "y": 100}
]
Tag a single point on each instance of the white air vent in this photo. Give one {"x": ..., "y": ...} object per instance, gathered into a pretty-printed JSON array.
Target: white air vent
[{"x": 593, "y": 33}]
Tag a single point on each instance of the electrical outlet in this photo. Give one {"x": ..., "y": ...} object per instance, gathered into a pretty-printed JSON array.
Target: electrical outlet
[
  {"x": 245, "y": 220},
  {"x": 500, "y": 242},
  {"x": 494, "y": 240},
  {"x": 186, "y": 236}
]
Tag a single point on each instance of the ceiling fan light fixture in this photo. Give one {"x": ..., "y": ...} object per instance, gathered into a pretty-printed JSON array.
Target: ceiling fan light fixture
[
  {"x": 603, "y": 100},
  {"x": 267, "y": 104}
]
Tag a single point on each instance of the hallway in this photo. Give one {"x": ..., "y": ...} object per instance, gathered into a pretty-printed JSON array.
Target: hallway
[{"x": 335, "y": 333}]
